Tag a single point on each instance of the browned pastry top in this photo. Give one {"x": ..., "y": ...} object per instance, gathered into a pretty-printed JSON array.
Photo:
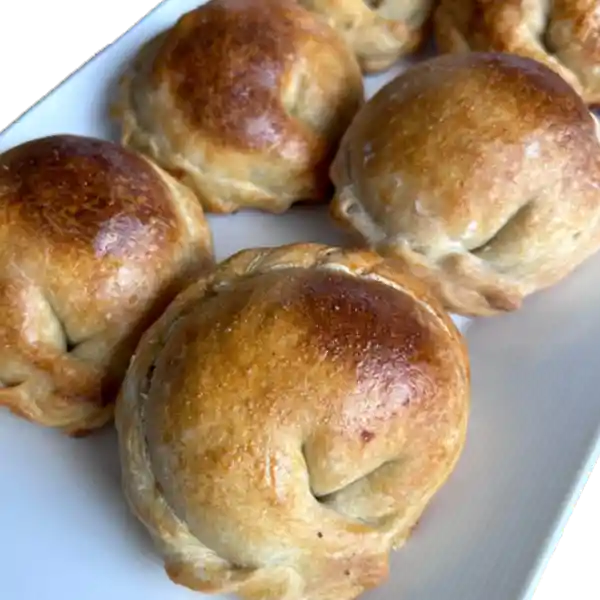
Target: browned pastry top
[
  {"x": 86, "y": 194},
  {"x": 94, "y": 241},
  {"x": 234, "y": 93},
  {"x": 245, "y": 101},
  {"x": 479, "y": 170},
  {"x": 462, "y": 130},
  {"x": 287, "y": 420}
]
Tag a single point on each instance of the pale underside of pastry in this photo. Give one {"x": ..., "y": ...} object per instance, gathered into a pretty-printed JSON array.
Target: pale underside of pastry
[
  {"x": 94, "y": 243},
  {"x": 378, "y": 31},
  {"x": 244, "y": 101},
  {"x": 480, "y": 173},
  {"x": 287, "y": 420},
  {"x": 562, "y": 34}
]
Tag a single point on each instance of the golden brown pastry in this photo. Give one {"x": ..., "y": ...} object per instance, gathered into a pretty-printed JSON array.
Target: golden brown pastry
[
  {"x": 245, "y": 101},
  {"x": 287, "y": 420},
  {"x": 480, "y": 172},
  {"x": 379, "y": 31},
  {"x": 94, "y": 242},
  {"x": 562, "y": 34}
]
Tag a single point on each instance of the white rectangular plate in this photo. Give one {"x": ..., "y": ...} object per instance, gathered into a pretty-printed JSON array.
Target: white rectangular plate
[{"x": 533, "y": 435}]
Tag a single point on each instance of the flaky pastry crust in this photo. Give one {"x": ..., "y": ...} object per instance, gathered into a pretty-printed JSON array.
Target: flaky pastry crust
[
  {"x": 562, "y": 34},
  {"x": 378, "y": 31},
  {"x": 94, "y": 243},
  {"x": 480, "y": 173},
  {"x": 287, "y": 420},
  {"x": 245, "y": 101}
]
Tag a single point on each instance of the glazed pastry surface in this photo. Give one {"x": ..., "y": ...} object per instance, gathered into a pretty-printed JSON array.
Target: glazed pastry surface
[
  {"x": 480, "y": 173},
  {"x": 287, "y": 420},
  {"x": 245, "y": 101},
  {"x": 94, "y": 243}
]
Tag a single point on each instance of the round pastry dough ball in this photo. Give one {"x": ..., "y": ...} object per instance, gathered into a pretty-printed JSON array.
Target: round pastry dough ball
[
  {"x": 245, "y": 101},
  {"x": 562, "y": 34},
  {"x": 480, "y": 172},
  {"x": 378, "y": 31},
  {"x": 286, "y": 421},
  {"x": 94, "y": 243}
]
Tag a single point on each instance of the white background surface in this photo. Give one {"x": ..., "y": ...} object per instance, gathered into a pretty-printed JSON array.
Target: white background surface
[
  {"x": 488, "y": 535},
  {"x": 60, "y": 23}
]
